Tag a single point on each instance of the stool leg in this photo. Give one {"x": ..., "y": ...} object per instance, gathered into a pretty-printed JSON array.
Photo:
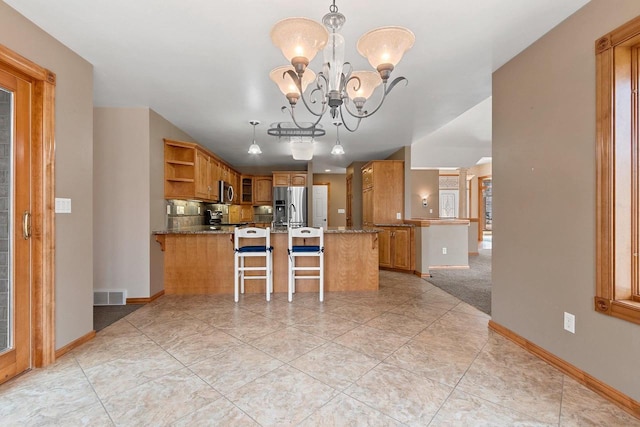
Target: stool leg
[
  {"x": 321, "y": 278},
  {"x": 267, "y": 284},
  {"x": 235, "y": 278},
  {"x": 289, "y": 278},
  {"x": 242, "y": 275}
]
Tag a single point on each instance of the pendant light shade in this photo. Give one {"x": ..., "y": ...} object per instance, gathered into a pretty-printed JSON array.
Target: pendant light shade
[
  {"x": 254, "y": 148},
  {"x": 299, "y": 38},
  {"x": 385, "y": 45},
  {"x": 369, "y": 81},
  {"x": 284, "y": 82},
  {"x": 337, "y": 149}
]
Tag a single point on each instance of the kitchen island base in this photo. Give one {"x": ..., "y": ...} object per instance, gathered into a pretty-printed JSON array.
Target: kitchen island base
[{"x": 202, "y": 263}]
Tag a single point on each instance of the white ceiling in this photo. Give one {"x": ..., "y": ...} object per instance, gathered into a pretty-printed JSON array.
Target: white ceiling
[{"x": 204, "y": 65}]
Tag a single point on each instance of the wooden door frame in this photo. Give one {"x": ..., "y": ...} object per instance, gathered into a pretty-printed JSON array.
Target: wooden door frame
[
  {"x": 42, "y": 203},
  {"x": 481, "y": 211}
]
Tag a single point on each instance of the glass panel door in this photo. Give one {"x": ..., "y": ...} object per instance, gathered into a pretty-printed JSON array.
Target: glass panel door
[{"x": 6, "y": 138}]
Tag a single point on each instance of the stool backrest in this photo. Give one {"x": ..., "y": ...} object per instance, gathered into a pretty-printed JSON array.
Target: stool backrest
[
  {"x": 306, "y": 232},
  {"x": 252, "y": 233}
]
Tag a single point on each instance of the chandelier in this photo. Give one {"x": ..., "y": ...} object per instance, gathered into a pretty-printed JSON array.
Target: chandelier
[{"x": 337, "y": 88}]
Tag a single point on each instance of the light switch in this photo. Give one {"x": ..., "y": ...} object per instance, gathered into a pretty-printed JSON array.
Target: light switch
[
  {"x": 63, "y": 205},
  {"x": 340, "y": 210},
  {"x": 399, "y": 215}
]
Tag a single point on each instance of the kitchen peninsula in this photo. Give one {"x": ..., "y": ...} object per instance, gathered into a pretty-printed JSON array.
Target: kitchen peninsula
[{"x": 198, "y": 260}]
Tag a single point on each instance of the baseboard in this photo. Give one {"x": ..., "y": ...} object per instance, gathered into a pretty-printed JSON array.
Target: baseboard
[
  {"x": 474, "y": 253},
  {"x": 397, "y": 270},
  {"x": 622, "y": 400},
  {"x": 74, "y": 344},
  {"x": 448, "y": 267},
  {"x": 145, "y": 300},
  {"x": 422, "y": 275}
]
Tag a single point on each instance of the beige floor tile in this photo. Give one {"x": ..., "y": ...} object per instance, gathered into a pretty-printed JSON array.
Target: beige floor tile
[
  {"x": 463, "y": 307},
  {"x": 104, "y": 349},
  {"x": 149, "y": 315},
  {"x": 165, "y": 332},
  {"x": 93, "y": 415},
  {"x": 438, "y": 298},
  {"x": 50, "y": 398},
  {"x": 128, "y": 371},
  {"x": 418, "y": 309},
  {"x": 344, "y": 411},
  {"x": 287, "y": 344},
  {"x": 355, "y": 313},
  {"x": 285, "y": 312},
  {"x": 282, "y": 397},
  {"x": 190, "y": 349},
  {"x": 234, "y": 368},
  {"x": 248, "y": 326},
  {"x": 505, "y": 374},
  {"x": 397, "y": 323},
  {"x": 325, "y": 325},
  {"x": 335, "y": 365},
  {"x": 161, "y": 401},
  {"x": 443, "y": 358},
  {"x": 219, "y": 413},
  {"x": 400, "y": 394},
  {"x": 462, "y": 409},
  {"x": 583, "y": 407},
  {"x": 371, "y": 341}
]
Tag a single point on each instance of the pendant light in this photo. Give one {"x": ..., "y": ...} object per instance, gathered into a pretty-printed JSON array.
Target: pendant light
[
  {"x": 337, "y": 149},
  {"x": 254, "y": 148}
]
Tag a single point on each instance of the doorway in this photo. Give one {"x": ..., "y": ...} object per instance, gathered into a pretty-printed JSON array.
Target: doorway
[
  {"x": 485, "y": 204},
  {"x": 26, "y": 215},
  {"x": 320, "y": 205}
]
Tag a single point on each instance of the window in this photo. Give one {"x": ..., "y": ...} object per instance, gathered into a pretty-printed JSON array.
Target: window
[{"x": 618, "y": 173}]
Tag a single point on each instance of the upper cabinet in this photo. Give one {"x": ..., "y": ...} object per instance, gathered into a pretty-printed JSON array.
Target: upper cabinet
[
  {"x": 383, "y": 192},
  {"x": 262, "y": 190},
  {"x": 191, "y": 172},
  {"x": 289, "y": 179},
  {"x": 246, "y": 190}
]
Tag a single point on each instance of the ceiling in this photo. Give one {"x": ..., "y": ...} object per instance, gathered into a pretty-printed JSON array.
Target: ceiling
[{"x": 204, "y": 66}]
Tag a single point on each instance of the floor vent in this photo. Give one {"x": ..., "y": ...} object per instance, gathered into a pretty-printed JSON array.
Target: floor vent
[{"x": 110, "y": 297}]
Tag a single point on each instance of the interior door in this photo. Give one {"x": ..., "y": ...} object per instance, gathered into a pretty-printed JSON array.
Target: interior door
[
  {"x": 320, "y": 205},
  {"x": 15, "y": 349}
]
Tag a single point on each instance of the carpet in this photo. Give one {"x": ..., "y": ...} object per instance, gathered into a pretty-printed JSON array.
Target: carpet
[
  {"x": 104, "y": 315},
  {"x": 472, "y": 286}
]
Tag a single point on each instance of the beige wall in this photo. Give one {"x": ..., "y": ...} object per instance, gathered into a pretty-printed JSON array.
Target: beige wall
[
  {"x": 337, "y": 197},
  {"x": 129, "y": 202},
  {"x": 544, "y": 259},
  {"x": 74, "y": 157},
  {"x": 425, "y": 183}
]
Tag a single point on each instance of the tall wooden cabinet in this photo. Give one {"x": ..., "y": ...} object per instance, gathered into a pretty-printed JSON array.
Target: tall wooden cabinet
[{"x": 383, "y": 192}]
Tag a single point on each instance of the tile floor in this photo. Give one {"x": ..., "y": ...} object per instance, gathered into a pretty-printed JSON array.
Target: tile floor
[{"x": 409, "y": 354}]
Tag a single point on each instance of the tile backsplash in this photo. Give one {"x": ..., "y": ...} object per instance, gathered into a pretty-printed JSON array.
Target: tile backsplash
[{"x": 187, "y": 213}]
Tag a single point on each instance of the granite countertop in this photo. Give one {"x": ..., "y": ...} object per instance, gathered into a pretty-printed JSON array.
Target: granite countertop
[
  {"x": 206, "y": 229},
  {"x": 393, "y": 225}
]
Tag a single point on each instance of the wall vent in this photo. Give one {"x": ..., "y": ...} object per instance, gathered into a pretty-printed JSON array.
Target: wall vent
[{"x": 110, "y": 297}]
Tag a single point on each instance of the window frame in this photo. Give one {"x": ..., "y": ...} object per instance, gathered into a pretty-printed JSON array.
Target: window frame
[{"x": 618, "y": 173}]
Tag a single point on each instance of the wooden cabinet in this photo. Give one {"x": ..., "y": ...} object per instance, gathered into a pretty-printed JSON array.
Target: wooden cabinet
[
  {"x": 246, "y": 190},
  {"x": 396, "y": 248},
  {"x": 191, "y": 172},
  {"x": 262, "y": 190},
  {"x": 289, "y": 179},
  {"x": 240, "y": 213},
  {"x": 350, "y": 200},
  {"x": 383, "y": 192}
]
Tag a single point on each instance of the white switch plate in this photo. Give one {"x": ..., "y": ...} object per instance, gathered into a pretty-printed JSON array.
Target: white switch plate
[
  {"x": 399, "y": 215},
  {"x": 168, "y": 209},
  {"x": 569, "y": 322},
  {"x": 180, "y": 210},
  {"x": 430, "y": 211},
  {"x": 444, "y": 251},
  {"x": 63, "y": 205},
  {"x": 340, "y": 210}
]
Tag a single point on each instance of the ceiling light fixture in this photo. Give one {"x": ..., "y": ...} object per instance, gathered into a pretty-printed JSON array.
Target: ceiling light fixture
[
  {"x": 254, "y": 148},
  {"x": 338, "y": 85},
  {"x": 337, "y": 149}
]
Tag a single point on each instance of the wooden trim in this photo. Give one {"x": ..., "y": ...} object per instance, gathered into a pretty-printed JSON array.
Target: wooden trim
[
  {"x": 422, "y": 275},
  {"x": 42, "y": 200},
  {"x": 448, "y": 267},
  {"x": 474, "y": 253},
  {"x": 160, "y": 238},
  {"x": 75, "y": 344},
  {"x": 620, "y": 399},
  {"x": 145, "y": 300},
  {"x": 397, "y": 270}
]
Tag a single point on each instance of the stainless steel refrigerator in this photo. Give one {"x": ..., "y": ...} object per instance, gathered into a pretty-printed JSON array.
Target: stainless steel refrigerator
[{"x": 289, "y": 206}]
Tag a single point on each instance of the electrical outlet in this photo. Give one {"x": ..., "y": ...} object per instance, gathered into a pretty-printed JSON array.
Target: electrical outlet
[
  {"x": 168, "y": 209},
  {"x": 569, "y": 322},
  {"x": 444, "y": 251},
  {"x": 340, "y": 210},
  {"x": 198, "y": 210},
  {"x": 430, "y": 211},
  {"x": 180, "y": 210},
  {"x": 399, "y": 215}
]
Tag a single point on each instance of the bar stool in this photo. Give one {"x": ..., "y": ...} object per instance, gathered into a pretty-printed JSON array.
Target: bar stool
[
  {"x": 256, "y": 250},
  {"x": 296, "y": 251}
]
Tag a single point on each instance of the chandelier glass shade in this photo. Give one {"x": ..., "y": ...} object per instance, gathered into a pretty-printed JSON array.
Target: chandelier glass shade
[{"x": 337, "y": 88}]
